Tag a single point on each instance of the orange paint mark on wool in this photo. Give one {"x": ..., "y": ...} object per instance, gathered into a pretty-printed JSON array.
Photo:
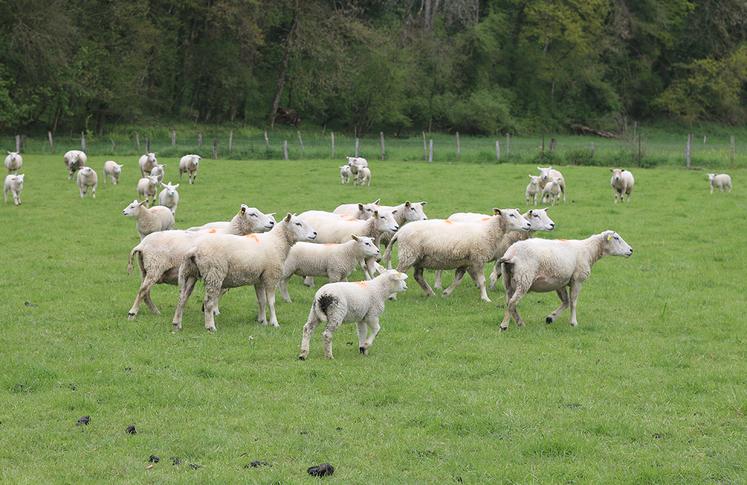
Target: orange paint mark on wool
[
  {"x": 212, "y": 231},
  {"x": 448, "y": 221},
  {"x": 362, "y": 284},
  {"x": 253, "y": 237},
  {"x": 485, "y": 219}
]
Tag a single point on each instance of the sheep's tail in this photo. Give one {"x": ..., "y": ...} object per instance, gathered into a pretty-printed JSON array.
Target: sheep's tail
[
  {"x": 137, "y": 249},
  {"x": 507, "y": 269},
  {"x": 322, "y": 304},
  {"x": 189, "y": 267},
  {"x": 388, "y": 253}
]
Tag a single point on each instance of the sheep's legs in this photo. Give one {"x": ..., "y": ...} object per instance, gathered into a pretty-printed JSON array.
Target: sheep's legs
[
  {"x": 261, "y": 304},
  {"x": 437, "y": 280},
  {"x": 495, "y": 275},
  {"x": 212, "y": 295},
  {"x": 575, "y": 290},
  {"x": 373, "y": 324},
  {"x": 418, "y": 275},
  {"x": 143, "y": 293},
  {"x": 309, "y": 281},
  {"x": 564, "y": 302},
  {"x": 362, "y": 334},
  {"x": 458, "y": 275},
  {"x": 331, "y": 327},
  {"x": 184, "y": 293},
  {"x": 478, "y": 276},
  {"x": 511, "y": 311},
  {"x": 94, "y": 190},
  {"x": 270, "y": 296},
  {"x": 283, "y": 285},
  {"x": 308, "y": 329}
]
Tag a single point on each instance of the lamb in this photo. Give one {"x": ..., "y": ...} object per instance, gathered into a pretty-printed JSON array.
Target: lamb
[
  {"x": 74, "y": 161},
  {"x": 551, "y": 192},
  {"x": 548, "y": 174},
  {"x": 336, "y": 261},
  {"x": 364, "y": 177},
  {"x": 361, "y": 302},
  {"x": 543, "y": 265},
  {"x": 112, "y": 170},
  {"x": 169, "y": 197},
  {"x": 357, "y": 211},
  {"x": 345, "y": 174},
  {"x": 355, "y": 163},
  {"x": 147, "y": 162},
  {"x": 622, "y": 183},
  {"x": 87, "y": 178},
  {"x": 406, "y": 212},
  {"x": 248, "y": 220},
  {"x": 13, "y": 162},
  {"x": 721, "y": 182},
  {"x": 159, "y": 170},
  {"x": 146, "y": 189},
  {"x": 189, "y": 164},
  {"x": 161, "y": 253},
  {"x": 464, "y": 246},
  {"x": 149, "y": 220},
  {"x": 227, "y": 261},
  {"x": 533, "y": 189},
  {"x": 14, "y": 185}
]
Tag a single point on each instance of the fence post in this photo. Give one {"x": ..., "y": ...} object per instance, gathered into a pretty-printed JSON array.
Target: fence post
[
  {"x": 83, "y": 145},
  {"x": 285, "y": 149},
  {"x": 332, "y": 134},
  {"x": 51, "y": 141},
  {"x": 705, "y": 139},
  {"x": 357, "y": 145},
  {"x": 381, "y": 138},
  {"x": 430, "y": 151},
  {"x": 114, "y": 145},
  {"x": 137, "y": 141},
  {"x": 543, "y": 144},
  {"x": 18, "y": 143},
  {"x": 267, "y": 141},
  {"x": 497, "y": 151},
  {"x": 733, "y": 151},
  {"x": 199, "y": 139},
  {"x": 640, "y": 153},
  {"x": 593, "y": 149},
  {"x": 300, "y": 142},
  {"x": 553, "y": 144},
  {"x": 508, "y": 144},
  {"x": 688, "y": 148},
  {"x": 230, "y": 141},
  {"x": 458, "y": 147},
  {"x": 425, "y": 148},
  {"x": 147, "y": 144},
  {"x": 215, "y": 148},
  {"x": 173, "y": 137}
]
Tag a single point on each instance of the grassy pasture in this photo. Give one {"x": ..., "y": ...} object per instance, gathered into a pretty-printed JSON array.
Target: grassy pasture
[{"x": 650, "y": 387}]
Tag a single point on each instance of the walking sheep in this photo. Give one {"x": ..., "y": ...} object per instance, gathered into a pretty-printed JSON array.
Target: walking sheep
[
  {"x": 356, "y": 163},
  {"x": 721, "y": 182},
  {"x": 14, "y": 185},
  {"x": 112, "y": 170},
  {"x": 548, "y": 174},
  {"x": 622, "y": 183},
  {"x": 246, "y": 221},
  {"x": 345, "y": 174},
  {"x": 533, "y": 189},
  {"x": 149, "y": 220},
  {"x": 146, "y": 163},
  {"x": 361, "y": 302},
  {"x": 87, "y": 178},
  {"x": 363, "y": 177},
  {"x": 74, "y": 161},
  {"x": 542, "y": 265},
  {"x": 189, "y": 164},
  {"x": 147, "y": 188},
  {"x": 13, "y": 162},
  {"x": 169, "y": 197},
  {"x": 551, "y": 192},
  {"x": 159, "y": 171}
]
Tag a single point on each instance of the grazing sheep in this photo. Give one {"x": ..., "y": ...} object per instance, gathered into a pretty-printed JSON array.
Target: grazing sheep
[
  {"x": 548, "y": 174},
  {"x": 227, "y": 261},
  {"x": 13, "y": 162},
  {"x": 159, "y": 171},
  {"x": 533, "y": 189},
  {"x": 161, "y": 253},
  {"x": 721, "y": 182},
  {"x": 622, "y": 183},
  {"x": 14, "y": 185},
  {"x": 355, "y": 163},
  {"x": 464, "y": 246},
  {"x": 169, "y": 197},
  {"x": 147, "y": 162},
  {"x": 335, "y": 261},
  {"x": 149, "y": 220},
  {"x": 364, "y": 177},
  {"x": 87, "y": 178},
  {"x": 189, "y": 164},
  {"x": 248, "y": 220},
  {"x": 357, "y": 211},
  {"x": 542, "y": 265},
  {"x": 345, "y": 174},
  {"x": 551, "y": 192},
  {"x": 361, "y": 302},
  {"x": 74, "y": 161},
  {"x": 147, "y": 188},
  {"x": 112, "y": 170}
]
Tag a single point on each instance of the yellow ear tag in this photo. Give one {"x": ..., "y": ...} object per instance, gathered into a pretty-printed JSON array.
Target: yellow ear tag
[{"x": 609, "y": 238}]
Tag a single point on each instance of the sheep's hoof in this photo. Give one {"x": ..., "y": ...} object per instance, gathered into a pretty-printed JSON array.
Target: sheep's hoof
[
  {"x": 503, "y": 329},
  {"x": 301, "y": 357},
  {"x": 176, "y": 328},
  {"x": 549, "y": 320},
  {"x": 363, "y": 350},
  {"x": 487, "y": 300},
  {"x": 210, "y": 329},
  {"x": 131, "y": 316},
  {"x": 573, "y": 324}
]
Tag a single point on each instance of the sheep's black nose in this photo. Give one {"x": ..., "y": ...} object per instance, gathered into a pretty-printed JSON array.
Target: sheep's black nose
[
  {"x": 315, "y": 233},
  {"x": 396, "y": 228},
  {"x": 552, "y": 224}
]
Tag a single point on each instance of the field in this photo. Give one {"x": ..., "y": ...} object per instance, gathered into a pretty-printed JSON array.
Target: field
[{"x": 650, "y": 387}]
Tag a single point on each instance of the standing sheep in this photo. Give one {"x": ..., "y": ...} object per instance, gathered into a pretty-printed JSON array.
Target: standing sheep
[
  {"x": 364, "y": 177},
  {"x": 721, "y": 182},
  {"x": 146, "y": 163},
  {"x": 169, "y": 197},
  {"x": 112, "y": 170},
  {"x": 551, "y": 192},
  {"x": 246, "y": 221},
  {"x": 345, "y": 174},
  {"x": 542, "y": 265},
  {"x": 548, "y": 174},
  {"x": 149, "y": 220},
  {"x": 13, "y": 162},
  {"x": 147, "y": 188},
  {"x": 159, "y": 171},
  {"x": 189, "y": 164},
  {"x": 356, "y": 163},
  {"x": 622, "y": 183},
  {"x": 14, "y": 185},
  {"x": 533, "y": 189},
  {"x": 74, "y": 161},
  {"x": 361, "y": 302},
  {"x": 87, "y": 178},
  {"x": 357, "y": 211}
]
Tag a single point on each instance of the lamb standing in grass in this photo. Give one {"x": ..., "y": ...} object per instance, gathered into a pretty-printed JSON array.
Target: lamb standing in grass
[
  {"x": 357, "y": 211},
  {"x": 147, "y": 162},
  {"x": 533, "y": 189},
  {"x": 147, "y": 188},
  {"x": 345, "y": 174},
  {"x": 13, "y": 162},
  {"x": 169, "y": 197},
  {"x": 189, "y": 164},
  {"x": 14, "y": 185},
  {"x": 542, "y": 265},
  {"x": 159, "y": 171},
  {"x": 361, "y": 302},
  {"x": 549, "y": 174},
  {"x": 363, "y": 177},
  {"x": 112, "y": 170},
  {"x": 622, "y": 183},
  {"x": 227, "y": 261},
  {"x": 336, "y": 261},
  {"x": 74, "y": 161},
  {"x": 248, "y": 220},
  {"x": 149, "y": 220},
  {"x": 87, "y": 178},
  {"x": 551, "y": 192},
  {"x": 721, "y": 182}
]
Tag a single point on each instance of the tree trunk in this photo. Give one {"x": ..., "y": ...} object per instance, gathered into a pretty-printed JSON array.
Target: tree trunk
[{"x": 282, "y": 75}]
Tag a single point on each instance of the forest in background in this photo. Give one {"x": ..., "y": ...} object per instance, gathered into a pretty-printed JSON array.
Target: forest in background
[{"x": 475, "y": 66}]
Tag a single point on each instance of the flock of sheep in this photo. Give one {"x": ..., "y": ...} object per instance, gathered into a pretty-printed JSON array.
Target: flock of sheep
[{"x": 255, "y": 249}]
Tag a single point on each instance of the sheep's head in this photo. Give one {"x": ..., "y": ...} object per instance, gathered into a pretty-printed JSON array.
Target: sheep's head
[
  {"x": 397, "y": 281},
  {"x": 152, "y": 180},
  {"x": 170, "y": 189},
  {"x": 365, "y": 211},
  {"x": 616, "y": 174},
  {"x": 300, "y": 230},
  {"x": 13, "y": 156},
  {"x": 255, "y": 219},
  {"x": 545, "y": 173},
  {"x": 118, "y": 168},
  {"x": 86, "y": 171},
  {"x": 18, "y": 179},
  {"x": 534, "y": 180},
  {"x": 513, "y": 219},
  {"x": 414, "y": 211},
  {"x": 385, "y": 221},
  {"x": 366, "y": 246},
  {"x": 711, "y": 176},
  {"x": 152, "y": 158},
  {"x": 539, "y": 220},
  {"x": 614, "y": 245},
  {"x": 133, "y": 208}
]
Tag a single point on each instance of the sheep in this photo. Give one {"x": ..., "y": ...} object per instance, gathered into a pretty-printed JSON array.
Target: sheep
[
  {"x": 361, "y": 302},
  {"x": 345, "y": 174},
  {"x": 74, "y": 161},
  {"x": 161, "y": 253},
  {"x": 538, "y": 221},
  {"x": 551, "y": 192},
  {"x": 246, "y": 221},
  {"x": 357, "y": 211},
  {"x": 147, "y": 189},
  {"x": 403, "y": 213},
  {"x": 533, "y": 189},
  {"x": 87, "y": 178},
  {"x": 355, "y": 163},
  {"x": 542, "y": 265},
  {"x": 14, "y": 185},
  {"x": 149, "y": 220},
  {"x": 112, "y": 170},
  {"x": 363, "y": 177},
  {"x": 227, "y": 261},
  {"x": 189, "y": 164},
  {"x": 336, "y": 261},
  {"x": 464, "y": 246},
  {"x": 622, "y": 183},
  {"x": 169, "y": 197},
  {"x": 147, "y": 162},
  {"x": 721, "y": 182},
  {"x": 13, "y": 162},
  {"x": 548, "y": 174},
  {"x": 159, "y": 171}
]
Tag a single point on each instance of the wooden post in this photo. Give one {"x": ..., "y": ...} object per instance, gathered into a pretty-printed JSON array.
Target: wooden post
[
  {"x": 114, "y": 145},
  {"x": 215, "y": 148},
  {"x": 18, "y": 143},
  {"x": 285, "y": 149},
  {"x": 497, "y": 150},
  {"x": 51, "y": 141},
  {"x": 508, "y": 144},
  {"x": 425, "y": 148},
  {"x": 147, "y": 144},
  {"x": 458, "y": 147},
  {"x": 199, "y": 139},
  {"x": 733, "y": 148},
  {"x": 593, "y": 149},
  {"x": 137, "y": 141},
  {"x": 635, "y": 130},
  {"x": 430, "y": 151},
  {"x": 640, "y": 153},
  {"x": 83, "y": 145},
  {"x": 332, "y": 135},
  {"x": 381, "y": 140},
  {"x": 173, "y": 137},
  {"x": 553, "y": 144},
  {"x": 688, "y": 149},
  {"x": 357, "y": 145},
  {"x": 267, "y": 141},
  {"x": 542, "y": 150},
  {"x": 300, "y": 142},
  {"x": 705, "y": 139},
  {"x": 230, "y": 141}
]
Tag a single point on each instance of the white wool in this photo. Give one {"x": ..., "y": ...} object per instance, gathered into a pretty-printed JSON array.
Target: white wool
[
  {"x": 345, "y": 174},
  {"x": 333, "y": 228},
  {"x": 189, "y": 164},
  {"x": 158, "y": 171},
  {"x": 622, "y": 182},
  {"x": 149, "y": 220},
  {"x": 551, "y": 192},
  {"x": 357, "y": 211},
  {"x": 14, "y": 185},
  {"x": 549, "y": 174},
  {"x": 721, "y": 181},
  {"x": 363, "y": 177},
  {"x": 247, "y": 221},
  {"x": 87, "y": 178},
  {"x": 533, "y": 189},
  {"x": 112, "y": 170},
  {"x": 13, "y": 162},
  {"x": 169, "y": 196},
  {"x": 147, "y": 162},
  {"x": 74, "y": 161},
  {"x": 147, "y": 188}
]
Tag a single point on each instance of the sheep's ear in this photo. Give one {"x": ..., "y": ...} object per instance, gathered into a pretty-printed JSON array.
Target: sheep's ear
[
  {"x": 376, "y": 213},
  {"x": 355, "y": 238},
  {"x": 531, "y": 211},
  {"x": 376, "y": 201},
  {"x": 546, "y": 209},
  {"x": 400, "y": 276},
  {"x": 143, "y": 202},
  {"x": 423, "y": 203},
  {"x": 395, "y": 211},
  {"x": 539, "y": 168},
  {"x": 243, "y": 209},
  {"x": 531, "y": 176},
  {"x": 612, "y": 170},
  {"x": 176, "y": 186},
  {"x": 268, "y": 215},
  {"x": 288, "y": 217},
  {"x": 407, "y": 203},
  {"x": 496, "y": 211},
  {"x": 163, "y": 184},
  {"x": 360, "y": 206}
]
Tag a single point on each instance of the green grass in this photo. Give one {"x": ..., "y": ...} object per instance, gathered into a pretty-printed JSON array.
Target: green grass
[{"x": 650, "y": 387}]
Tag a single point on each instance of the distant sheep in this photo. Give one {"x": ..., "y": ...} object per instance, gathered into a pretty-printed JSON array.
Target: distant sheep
[
  {"x": 551, "y": 192},
  {"x": 159, "y": 171},
  {"x": 147, "y": 188},
  {"x": 622, "y": 183},
  {"x": 189, "y": 164},
  {"x": 345, "y": 174},
  {"x": 548, "y": 174},
  {"x": 363, "y": 177},
  {"x": 533, "y": 189},
  {"x": 74, "y": 161},
  {"x": 87, "y": 178},
  {"x": 14, "y": 185},
  {"x": 149, "y": 220},
  {"x": 13, "y": 162},
  {"x": 169, "y": 197},
  {"x": 722, "y": 182},
  {"x": 357, "y": 211},
  {"x": 147, "y": 162},
  {"x": 112, "y": 170},
  {"x": 355, "y": 163}
]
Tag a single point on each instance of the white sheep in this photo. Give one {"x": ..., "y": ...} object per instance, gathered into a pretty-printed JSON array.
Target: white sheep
[
  {"x": 361, "y": 302},
  {"x": 189, "y": 164},
  {"x": 464, "y": 246},
  {"x": 403, "y": 213},
  {"x": 335, "y": 261},
  {"x": 161, "y": 253},
  {"x": 355, "y": 163},
  {"x": 159, "y": 171},
  {"x": 548, "y": 174},
  {"x": 345, "y": 174},
  {"x": 543, "y": 265},
  {"x": 169, "y": 197},
  {"x": 13, "y": 162},
  {"x": 146, "y": 163},
  {"x": 87, "y": 178},
  {"x": 720, "y": 181},
  {"x": 74, "y": 161},
  {"x": 357, "y": 211},
  {"x": 533, "y": 189},
  {"x": 551, "y": 192},
  {"x": 112, "y": 170},
  {"x": 149, "y": 220},
  {"x": 248, "y": 220},
  {"x": 622, "y": 183},
  {"x": 227, "y": 261},
  {"x": 147, "y": 189},
  {"x": 14, "y": 185},
  {"x": 363, "y": 177}
]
